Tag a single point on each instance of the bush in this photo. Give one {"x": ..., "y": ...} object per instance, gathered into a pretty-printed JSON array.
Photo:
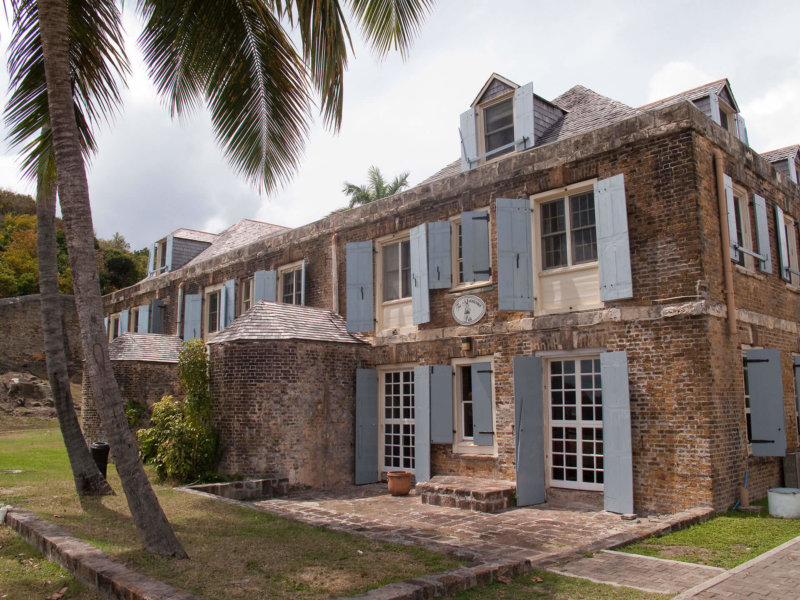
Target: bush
[{"x": 181, "y": 442}]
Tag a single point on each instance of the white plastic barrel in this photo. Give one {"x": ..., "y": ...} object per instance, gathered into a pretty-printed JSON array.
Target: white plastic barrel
[{"x": 784, "y": 503}]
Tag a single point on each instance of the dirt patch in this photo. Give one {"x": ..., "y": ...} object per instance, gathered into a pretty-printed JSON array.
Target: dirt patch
[{"x": 25, "y": 395}]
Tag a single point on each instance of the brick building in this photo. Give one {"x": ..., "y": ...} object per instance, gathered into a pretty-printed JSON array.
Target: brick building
[{"x": 596, "y": 300}]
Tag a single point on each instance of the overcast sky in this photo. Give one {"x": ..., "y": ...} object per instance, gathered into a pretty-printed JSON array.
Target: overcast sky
[{"x": 153, "y": 175}]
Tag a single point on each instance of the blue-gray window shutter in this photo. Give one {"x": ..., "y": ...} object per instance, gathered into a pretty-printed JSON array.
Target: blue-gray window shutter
[
  {"x": 482, "y": 421},
  {"x": 105, "y": 322},
  {"x": 741, "y": 128},
  {"x": 714, "y": 104},
  {"x": 792, "y": 169},
  {"x": 151, "y": 260},
  {"x": 420, "y": 299},
  {"x": 475, "y": 245},
  {"x": 613, "y": 250},
  {"x": 617, "y": 456},
  {"x": 123, "y": 321},
  {"x": 783, "y": 245},
  {"x": 441, "y": 404},
  {"x": 366, "y": 426},
  {"x": 265, "y": 286},
  {"x": 529, "y": 430},
  {"x": 730, "y": 202},
  {"x": 514, "y": 258},
  {"x": 469, "y": 140},
  {"x": 228, "y": 302},
  {"x": 796, "y": 365},
  {"x": 144, "y": 319},
  {"x": 422, "y": 423},
  {"x": 156, "y": 316},
  {"x": 440, "y": 264},
  {"x": 192, "y": 316},
  {"x": 170, "y": 245},
  {"x": 523, "y": 116},
  {"x": 762, "y": 233},
  {"x": 303, "y": 284},
  {"x": 765, "y": 384},
  {"x": 360, "y": 307}
]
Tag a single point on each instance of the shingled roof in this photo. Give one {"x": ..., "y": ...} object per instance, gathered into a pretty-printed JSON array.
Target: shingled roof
[
  {"x": 195, "y": 235},
  {"x": 717, "y": 87},
  {"x": 781, "y": 153},
  {"x": 239, "y": 234},
  {"x": 275, "y": 321},
  {"x": 147, "y": 347}
]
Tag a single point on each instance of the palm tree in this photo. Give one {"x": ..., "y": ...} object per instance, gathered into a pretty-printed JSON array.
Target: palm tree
[
  {"x": 27, "y": 116},
  {"x": 375, "y": 188},
  {"x": 237, "y": 58}
]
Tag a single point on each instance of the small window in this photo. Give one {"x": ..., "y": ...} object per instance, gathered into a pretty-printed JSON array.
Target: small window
[
  {"x": 162, "y": 251},
  {"x": 292, "y": 286},
  {"x": 498, "y": 125},
  {"x": 457, "y": 254},
  {"x": 790, "y": 228},
  {"x": 113, "y": 329},
  {"x": 568, "y": 231},
  {"x": 468, "y": 406},
  {"x": 245, "y": 295},
  {"x": 213, "y": 311},
  {"x": 741, "y": 213},
  {"x": 133, "y": 322},
  {"x": 396, "y": 270}
]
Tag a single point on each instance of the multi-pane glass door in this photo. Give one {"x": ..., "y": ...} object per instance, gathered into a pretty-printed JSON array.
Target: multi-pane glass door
[{"x": 398, "y": 420}]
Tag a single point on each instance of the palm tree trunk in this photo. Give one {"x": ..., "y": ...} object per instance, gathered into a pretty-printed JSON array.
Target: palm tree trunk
[
  {"x": 156, "y": 533},
  {"x": 88, "y": 479}
]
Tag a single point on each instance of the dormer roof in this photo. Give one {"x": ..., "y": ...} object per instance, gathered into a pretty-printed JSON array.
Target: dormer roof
[
  {"x": 782, "y": 153},
  {"x": 721, "y": 88},
  {"x": 495, "y": 86}
]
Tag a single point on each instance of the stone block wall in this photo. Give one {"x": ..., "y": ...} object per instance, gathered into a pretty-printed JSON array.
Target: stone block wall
[
  {"x": 286, "y": 409},
  {"x": 22, "y": 343}
]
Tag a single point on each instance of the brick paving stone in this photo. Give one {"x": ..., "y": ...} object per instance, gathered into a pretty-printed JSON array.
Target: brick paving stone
[
  {"x": 641, "y": 572},
  {"x": 773, "y": 575}
]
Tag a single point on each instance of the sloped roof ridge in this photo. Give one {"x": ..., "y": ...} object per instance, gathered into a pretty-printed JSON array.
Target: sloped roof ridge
[
  {"x": 716, "y": 86},
  {"x": 781, "y": 153},
  {"x": 146, "y": 347}
]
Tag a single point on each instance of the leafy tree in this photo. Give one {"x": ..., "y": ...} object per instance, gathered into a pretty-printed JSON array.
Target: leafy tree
[
  {"x": 237, "y": 58},
  {"x": 375, "y": 188}
]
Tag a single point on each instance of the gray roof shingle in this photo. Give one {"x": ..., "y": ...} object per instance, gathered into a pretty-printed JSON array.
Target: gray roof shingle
[
  {"x": 239, "y": 234},
  {"x": 781, "y": 153},
  {"x": 147, "y": 347},
  {"x": 275, "y": 321},
  {"x": 690, "y": 95},
  {"x": 193, "y": 234}
]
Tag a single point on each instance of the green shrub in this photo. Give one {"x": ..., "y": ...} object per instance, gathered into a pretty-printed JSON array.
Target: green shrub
[
  {"x": 181, "y": 442},
  {"x": 134, "y": 411}
]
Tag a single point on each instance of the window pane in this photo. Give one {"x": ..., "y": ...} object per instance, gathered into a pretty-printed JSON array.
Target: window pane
[
  {"x": 391, "y": 272},
  {"x": 499, "y": 126},
  {"x": 554, "y": 235},
  {"x": 287, "y": 284},
  {"x": 405, "y": 268},
  {"x": 582, "y": 226}
]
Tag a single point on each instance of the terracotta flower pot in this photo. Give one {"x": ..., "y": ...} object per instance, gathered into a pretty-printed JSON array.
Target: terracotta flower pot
[{"x": 399, "y": 482}]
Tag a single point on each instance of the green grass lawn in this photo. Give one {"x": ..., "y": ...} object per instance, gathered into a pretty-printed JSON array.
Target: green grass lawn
[
  {"x": 725, "y": 541},
  {"x": 234, "y": 552},
  {"x": 552, "y": 586}
]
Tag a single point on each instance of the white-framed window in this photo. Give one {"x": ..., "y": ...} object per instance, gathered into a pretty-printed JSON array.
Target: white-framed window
[
  {"x": 393, "y": 276},
  {"x": 290, "y": 283},
  {"x": 497, "y": 119},
  {"x": 212, "y": 311},
  {"x": 566, "y": 274},
  {"x": 457, "y": 255},
  {"x": 398, "y": 437},
  {"x": 245, "y": 294},
  {"x": 573, "y": 392},
  {"x": 133, "y": 321},
  {"x": 464, "y": 406},
  {"x": 741, "y": 211},
  {"x": 790, "y": 227}
]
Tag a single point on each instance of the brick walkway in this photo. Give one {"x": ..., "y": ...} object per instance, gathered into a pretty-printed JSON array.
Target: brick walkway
[
  {"x": 641, "y": 572},
  {"x": 773, "y": 575},
  {"x": 540, "y": 534}
]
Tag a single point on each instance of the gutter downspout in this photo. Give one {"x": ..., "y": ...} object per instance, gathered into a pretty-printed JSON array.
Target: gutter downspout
[{"x": 727, "y": 269}]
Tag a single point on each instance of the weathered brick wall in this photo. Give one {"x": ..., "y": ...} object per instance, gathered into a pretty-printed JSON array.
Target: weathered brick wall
[
  {"x": 22, "y": 344},
  {"x": 139, "y": 381},
  {"x": 286, "y": 408}
]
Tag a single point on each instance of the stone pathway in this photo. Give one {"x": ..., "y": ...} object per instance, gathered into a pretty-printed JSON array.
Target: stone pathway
[
  {"x": 541, "y": 534},
  {"x": 773, "y": 575},
  {"x": 642, "y": 572}
]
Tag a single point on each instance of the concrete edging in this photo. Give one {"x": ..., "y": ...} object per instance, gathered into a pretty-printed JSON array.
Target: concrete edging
[{"x": 87, "y": 563}]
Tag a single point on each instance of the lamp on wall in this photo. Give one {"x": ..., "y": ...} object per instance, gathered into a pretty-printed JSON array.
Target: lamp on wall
[{"x": 466, "y": 344}]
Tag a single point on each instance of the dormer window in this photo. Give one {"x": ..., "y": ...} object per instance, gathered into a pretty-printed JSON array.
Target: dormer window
[{"x": 498, "y": 125}]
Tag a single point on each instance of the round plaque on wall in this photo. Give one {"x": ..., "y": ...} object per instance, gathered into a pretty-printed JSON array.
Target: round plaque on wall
[{"x": 468, "y": 310}]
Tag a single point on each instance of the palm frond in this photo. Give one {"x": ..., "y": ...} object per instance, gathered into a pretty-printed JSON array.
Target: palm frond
[
  {"x": 97, "y": 62},
  {"x": 391, "y": 24},
  {"x": 236, "y": 56}
]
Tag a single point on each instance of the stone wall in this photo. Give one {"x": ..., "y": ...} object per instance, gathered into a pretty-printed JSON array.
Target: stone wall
[
  {"x": 139, "y": 381},
  {"x": 21, "y": 342},
  {"x": 286, "y": 409}
]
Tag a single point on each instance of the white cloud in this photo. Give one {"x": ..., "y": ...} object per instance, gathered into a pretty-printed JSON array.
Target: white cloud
[
  {"x": 675, "y": 77},
  {"x": 773, "y": 118}
]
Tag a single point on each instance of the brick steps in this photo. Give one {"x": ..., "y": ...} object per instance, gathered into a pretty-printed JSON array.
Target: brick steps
[{"x": 468, "y": 493}]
